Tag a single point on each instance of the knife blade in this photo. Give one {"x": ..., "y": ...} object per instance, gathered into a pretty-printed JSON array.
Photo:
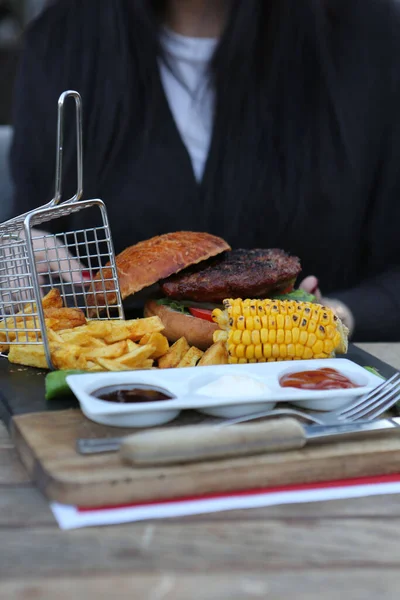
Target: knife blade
[{"x": 180, "y": 445}]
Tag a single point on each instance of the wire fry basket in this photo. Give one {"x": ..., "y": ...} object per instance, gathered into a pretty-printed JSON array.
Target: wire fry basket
[{"x": 79, "y": 263}]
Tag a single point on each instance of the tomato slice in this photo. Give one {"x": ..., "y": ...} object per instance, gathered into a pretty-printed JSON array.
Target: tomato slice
[{"x": 201, "y": 313}]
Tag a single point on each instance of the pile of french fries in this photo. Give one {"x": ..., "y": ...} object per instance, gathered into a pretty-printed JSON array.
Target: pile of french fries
[{"x": 97, "y": 345}]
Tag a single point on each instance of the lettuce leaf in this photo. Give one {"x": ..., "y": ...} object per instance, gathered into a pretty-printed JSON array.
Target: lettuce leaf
[
  {"x": 173, "y": 305},
  {"x": 298, "y": 295}
]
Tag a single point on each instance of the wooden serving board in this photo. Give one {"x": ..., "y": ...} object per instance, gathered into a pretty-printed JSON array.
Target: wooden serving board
[{"x": 46, "y": 444}]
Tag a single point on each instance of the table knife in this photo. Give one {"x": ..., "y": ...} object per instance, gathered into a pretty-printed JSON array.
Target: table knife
[{"x": 194, "y": 443}]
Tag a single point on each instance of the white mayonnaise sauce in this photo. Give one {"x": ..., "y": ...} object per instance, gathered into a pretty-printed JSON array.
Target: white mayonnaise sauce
[{"x": 235, "y": 386}]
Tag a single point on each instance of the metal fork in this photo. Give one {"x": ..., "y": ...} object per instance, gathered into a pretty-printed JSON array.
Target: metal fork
[{"x": 367, "y": 407}]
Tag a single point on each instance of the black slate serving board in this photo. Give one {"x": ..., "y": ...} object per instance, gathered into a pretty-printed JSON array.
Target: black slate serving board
[{"x": 22, "y": 388}]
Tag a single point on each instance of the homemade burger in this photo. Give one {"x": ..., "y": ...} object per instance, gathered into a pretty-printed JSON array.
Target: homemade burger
[{"x": 196, "y": 272}]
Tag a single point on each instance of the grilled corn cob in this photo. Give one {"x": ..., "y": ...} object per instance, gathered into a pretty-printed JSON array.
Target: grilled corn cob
[{"x": 273, "y": 330}]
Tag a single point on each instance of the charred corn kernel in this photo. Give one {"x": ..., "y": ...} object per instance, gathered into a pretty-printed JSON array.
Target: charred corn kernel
[
  {"x": 232, "y": 350},
  {"x": 260, "y": 309},
  {"x": 272, "y": 330},
  {"x": 280, "y": 336},
  {"x": 304, "y": 323},
  {"x": 241, "y": 323},
  {"x": 324, "y": 317},
  {"x": 283, "y": 308}
]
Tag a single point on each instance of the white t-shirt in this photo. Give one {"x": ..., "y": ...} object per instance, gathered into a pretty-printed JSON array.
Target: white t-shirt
[{"x": 188, "y": 92}]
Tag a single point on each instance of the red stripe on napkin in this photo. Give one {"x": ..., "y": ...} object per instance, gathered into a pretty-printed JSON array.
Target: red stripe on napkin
[{"x": 394, "y": 478}]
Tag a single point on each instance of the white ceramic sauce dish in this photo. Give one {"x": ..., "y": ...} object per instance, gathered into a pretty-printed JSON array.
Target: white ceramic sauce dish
[{"x": 225, "y": 391}]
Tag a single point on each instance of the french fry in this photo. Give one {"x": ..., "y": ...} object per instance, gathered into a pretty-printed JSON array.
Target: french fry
[
  {"x": 31, "y": 355},
  {"x": 158, "y": 340},
  {"x": 112, "y": 365},
  {"x": 108, "y": 351},
  {"x": 54, "y": 337},
  {"x": 93, "y": 367},
  {"x": 100, "y": 329},
  {"x": 217, "y": 354},
  {"x": 140, "y": 327},
  {"x": 52, "y": 299},
  {"x": 191, "y": 358},
  {"x": 116, "y": 365},
  {"x": 68, "y": 357},
  {"x": 119, "y": 331},
  {"x": 137, "y": 356},
  {"x": 131, "y": 345},
  {"x": 174, "y": 355},
  {"x": 65, "y": 318}
]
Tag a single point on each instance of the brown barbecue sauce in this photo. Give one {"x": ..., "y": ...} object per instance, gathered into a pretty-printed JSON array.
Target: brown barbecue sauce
[{"x": 129, "y": 394}]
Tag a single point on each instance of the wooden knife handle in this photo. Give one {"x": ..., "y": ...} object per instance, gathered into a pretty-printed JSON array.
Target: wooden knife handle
[{"x": 205, "y": 442}]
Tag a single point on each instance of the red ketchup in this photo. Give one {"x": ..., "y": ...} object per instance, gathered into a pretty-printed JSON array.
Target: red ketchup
[{"x": 318, "y": 379}]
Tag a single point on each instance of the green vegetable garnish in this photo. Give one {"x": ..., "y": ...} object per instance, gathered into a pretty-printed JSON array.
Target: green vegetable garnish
[
  {"x": 56, "y": 383},
  {"x": 298, "y": 295},
  {"x": 375, "y": 372},
  {"x": 174, "y": 305}
]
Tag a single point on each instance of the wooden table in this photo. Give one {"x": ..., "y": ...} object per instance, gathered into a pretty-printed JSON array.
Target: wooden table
[{"x": 348, "y": 549}]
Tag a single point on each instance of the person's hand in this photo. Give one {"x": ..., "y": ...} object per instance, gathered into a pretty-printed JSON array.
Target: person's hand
[
  {"x": 53, "y": 257},
  {"x": 311, "y": 285}
]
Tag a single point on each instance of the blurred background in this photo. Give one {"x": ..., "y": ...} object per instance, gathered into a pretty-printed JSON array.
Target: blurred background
[{"x": 14, "y": 17}]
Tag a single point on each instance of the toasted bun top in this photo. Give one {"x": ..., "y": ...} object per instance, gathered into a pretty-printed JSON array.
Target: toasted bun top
[{"x": 147, "y": 262}]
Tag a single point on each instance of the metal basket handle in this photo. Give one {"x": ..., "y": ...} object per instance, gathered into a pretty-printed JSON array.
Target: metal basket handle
[{"x": 60, "y": 148}]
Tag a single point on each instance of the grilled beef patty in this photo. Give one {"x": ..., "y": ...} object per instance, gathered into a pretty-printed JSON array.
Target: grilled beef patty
[{"x": 238, "y": 274}]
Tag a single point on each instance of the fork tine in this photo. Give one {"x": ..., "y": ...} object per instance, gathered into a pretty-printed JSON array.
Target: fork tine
[
  {"x": 390, "y": 401},
  {"x": 369, "y": 398},
  {"x": 375, "y": 402},
  {"x": 380, "y": 404}
]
